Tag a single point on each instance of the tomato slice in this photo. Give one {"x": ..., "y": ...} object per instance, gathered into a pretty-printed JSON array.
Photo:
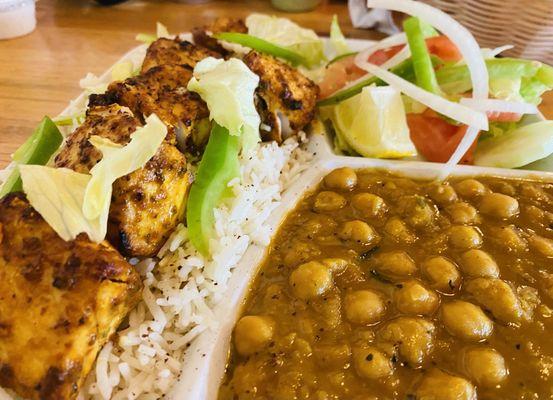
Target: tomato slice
[
  {"x": 503, "y": 116},
  {"x": 340, "y": 73},
  {"x": 436, "y": 139},
  {"x": 444, "y": 48}
]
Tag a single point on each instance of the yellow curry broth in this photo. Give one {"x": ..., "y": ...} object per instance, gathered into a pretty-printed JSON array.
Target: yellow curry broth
[{"x": 379, "y": 287}]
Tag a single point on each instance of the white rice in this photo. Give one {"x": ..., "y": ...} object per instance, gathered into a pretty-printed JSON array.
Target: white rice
[{"x": 181, "y": 287}]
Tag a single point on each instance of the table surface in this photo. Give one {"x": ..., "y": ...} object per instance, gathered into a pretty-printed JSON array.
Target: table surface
[{"x": 39, "y": 73}]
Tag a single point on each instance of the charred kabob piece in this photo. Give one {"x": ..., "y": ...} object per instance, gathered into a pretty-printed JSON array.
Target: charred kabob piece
[
  {"x": 146, "y": 204},
  {"x": 59, "y": 303},
  {"x": 161, "y": 89},
  {"x": 283, "y": 93},
  {"x": 202, "y": 35}
]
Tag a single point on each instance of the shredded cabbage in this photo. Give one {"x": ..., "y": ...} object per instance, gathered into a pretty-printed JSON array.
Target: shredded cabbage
[
  {"x": 122, "y": 70},
  {"x": 337, "y": 39},
  {"x": 58, "y": 195},
  {"x": 287, "y": 34},
  {"x": 228, "y": 89},
  {"x": 161, "y": 32},
  {"x": 518, "y": 147}
]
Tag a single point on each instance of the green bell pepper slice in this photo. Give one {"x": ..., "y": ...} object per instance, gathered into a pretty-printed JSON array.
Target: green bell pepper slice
[
  {"x": 36, "y": 150},
  {"x": 425, "y": 76},
  {"x": 218, "y": 166},
  {"x": 262, "y": 46}
]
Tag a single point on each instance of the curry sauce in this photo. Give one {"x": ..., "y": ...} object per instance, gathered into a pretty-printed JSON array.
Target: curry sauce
[{"x": 383, "y": 287}]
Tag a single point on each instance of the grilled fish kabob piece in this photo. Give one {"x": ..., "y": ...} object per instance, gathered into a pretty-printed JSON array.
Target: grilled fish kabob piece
[
  {"x": 59, "y": 303},
  {"x": 146, "y": 204},
  {"x": 161, "y": 89},
  {"x": 202, "y": 35},
  {"x": 284, "y": 93}
]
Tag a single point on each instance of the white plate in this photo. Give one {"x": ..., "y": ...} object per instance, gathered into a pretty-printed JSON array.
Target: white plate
[{"x": 206, "y": 359}]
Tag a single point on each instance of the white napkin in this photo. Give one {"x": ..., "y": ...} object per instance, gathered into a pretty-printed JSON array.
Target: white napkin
[{"x": 362, "y": 17}]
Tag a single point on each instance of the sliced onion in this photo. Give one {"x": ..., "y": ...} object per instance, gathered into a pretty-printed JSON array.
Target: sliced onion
[
  {"x": 456, "y": 32},
  {"x": 492, "y": 53},
  {"x": 467, "y": 46},
  {"x": 400, "y": 57},
  {"x": 496, "y": 105},
  {"x": 390, "y": 41},
  {"x": 451, "y": 109}
]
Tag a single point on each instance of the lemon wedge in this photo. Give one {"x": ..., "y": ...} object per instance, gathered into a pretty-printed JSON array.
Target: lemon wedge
[{"x": 373, "y": 123}]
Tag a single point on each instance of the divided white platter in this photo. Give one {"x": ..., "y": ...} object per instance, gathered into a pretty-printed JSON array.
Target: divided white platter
[{"x": 205, "y": 361}]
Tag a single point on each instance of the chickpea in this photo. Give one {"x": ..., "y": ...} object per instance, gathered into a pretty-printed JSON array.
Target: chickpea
[
  {"x": 300, "y": 252},
  {"x": 477, "y": 263},
  {"x": 371, "y": 363},
  {"x": 341, "y": 179},
  {"x": 497, "y": 296},
  {"x": 332, "y": 355},
  {"x": 442, "y": 274},
  {"x": 464, "y": 237},
  {"x": 329, "y": 201},
  {"x": 319, "y": 224},
  {"x": 462, "y": 213},
  {"x": 443, "y": 193},
  {"x": 369, "y": 205},
  {"x": 537, "y": 216},
  {"x": 543, "y": 246},
  {"x": 499, "y": 205},
  {"x": 395, "y": 264},
  {"x": 470, "y": 188},
  {"x": 364, "y": 307},
  {"x": 414, "y": 298},
  {"x": 413, "y": 337},
  {"x": 336, "y": 265},
  {"x": 358, "y": 231},
  {"x": 310, "y": 280},
  {"x": 505, "y": 188},
  {"x": 466, "y": 320},
  {"x": 417, "y": 211},
  {"x": 484, "y": 365},
  {"x": 534, "y": 192},
  {"x": 439, "y": 385},
  {"x": 507, "y": 237},
  {"x": 396, "y": 229},
  {"x": 253, "y": 333}
]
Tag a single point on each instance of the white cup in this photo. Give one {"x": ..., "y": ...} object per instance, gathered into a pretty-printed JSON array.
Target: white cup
[{"x": 17, "y": 18}]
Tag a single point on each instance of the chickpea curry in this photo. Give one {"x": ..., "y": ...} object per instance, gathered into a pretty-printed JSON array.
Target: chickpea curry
[{"x": 382, "y": 287}]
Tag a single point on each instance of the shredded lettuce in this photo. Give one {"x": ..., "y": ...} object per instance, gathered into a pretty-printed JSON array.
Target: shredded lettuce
[
  {"x": 535, "y": 78},
  {"x": 228, "y": 86},
  {"x": 497, "y": 129},
  {"x": 287, "y": 34},
  {"x": 517, "y": 147},
  {"x": 122, "y": 70},
  {"x": 93, "y": 84},
  {"x": 337, "y": 39},
  {"x": 58, "y": 195},
  {"x": 412, "y": 106},
  {"x": 506, "y": 89},
  {"x": 147, "y": 38},
  {"x": 69, "y": 120}
]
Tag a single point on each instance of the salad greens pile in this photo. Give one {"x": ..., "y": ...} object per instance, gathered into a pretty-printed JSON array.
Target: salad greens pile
[{"x": 432, "y": 67}]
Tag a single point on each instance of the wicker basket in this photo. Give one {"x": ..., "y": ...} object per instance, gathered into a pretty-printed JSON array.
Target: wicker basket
[{"x": 526, "y": 24}]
